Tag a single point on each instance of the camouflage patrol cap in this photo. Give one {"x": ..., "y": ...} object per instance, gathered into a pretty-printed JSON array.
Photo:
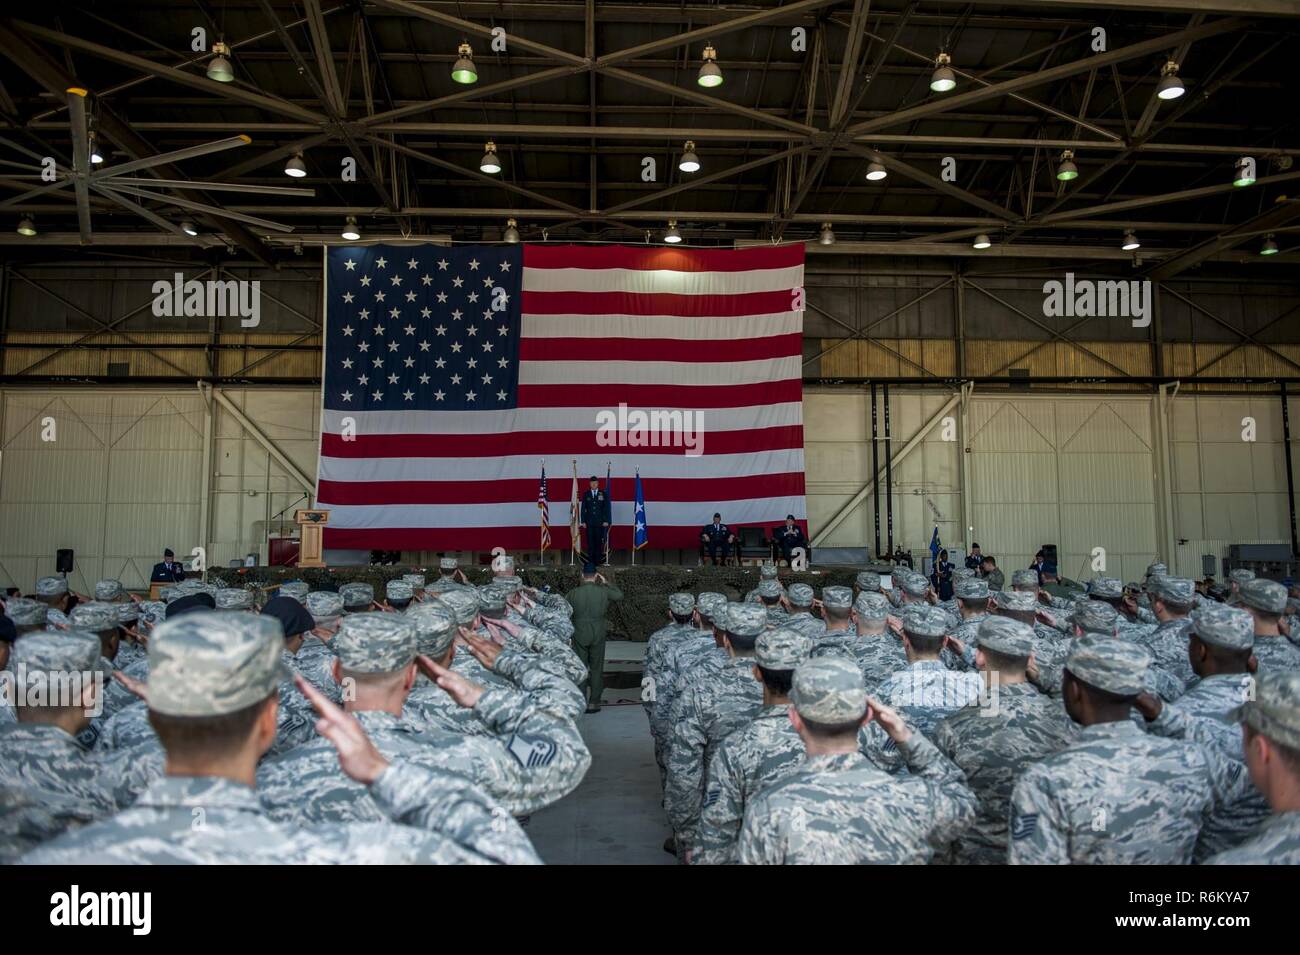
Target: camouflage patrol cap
[
  {"x": 711, "y": 605},
  {"x": 1094, "y": 616},
  {"x": 1274, "y": 712},
  {"x": 781, "y": 649},
  {"x": 168, "y": 594},
  {"x": 961, "y": 573},
  {"x": 415, "y": 580},
  {"x": 746, "y": 619},
  {"x": 153, "y": 612},
  {"x": 868, "y": 580},
  {"x": 323, "y": 605},
  {"x": 838, "y": 597},
  {"x": 915, "y": 585},
  {"x": 1108, "y": 587},
  {"x": 1157, "y": 569},
  {"x": 25, "y": 612},
  {"x": 492, "y": 597},
  {"x": 51, "y": 587},
  {"x": 447, "y": 563},
  {"x": 1011, "y": 638},
  {"x": 297, "y": 589},
  {"x": 1241, "y": 575},
  {"x": 769, "y": 589},
  {"x": 127, "y": 613},
  {"x": 923, "y": 620},
  {"x": 95, "y": 616},
  {"x": 210, "y": 664},
  {"x": 767, "y": 572},
  {"x": 681, "y": 604},
  {"x": 233, "y": 598},
  {"x": 357, "y": 595},
  {"x": 1021, "y": 601},
  {"x": 398, "y": 590},
  {"x": 1223, "y": 626},
  {"x": 435, "y": 628},
  {"x": 871, "y": 606},
  {"x": 62, "y": 651},
  {"x": 56, "y": 618},
  {"x": 1266, "y": 595},
  {"x": 109, "y": 589},
  {"x": 463, "y": 603},
  {"x": 1110, "y": 664},
  {"x": 1175, "y": 590},
  {"x": 1025, "y": 577},
  {"x": 971, "y": 589},
  {"x": 375, "y": 642},
  {"x": 829, "y": 690},
  {"x": 510, "y": 583},
  {"x": 503, "y": 564},
  {"x": 800, "y": 595}
]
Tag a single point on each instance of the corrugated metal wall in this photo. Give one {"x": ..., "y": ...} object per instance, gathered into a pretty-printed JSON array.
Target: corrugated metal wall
[{"x": 124, "y": 476}]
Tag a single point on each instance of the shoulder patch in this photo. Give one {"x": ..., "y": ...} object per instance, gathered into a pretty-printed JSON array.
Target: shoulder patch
[
  {"x": 710, "y": 797},
  {"x": 534, "y": 752},
  {"x": 1022, "y": 827}
]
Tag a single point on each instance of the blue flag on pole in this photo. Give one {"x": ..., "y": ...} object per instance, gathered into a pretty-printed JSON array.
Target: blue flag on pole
[
  {"x": 640, "y": 529},
  {"x": 935, "y": 544}
]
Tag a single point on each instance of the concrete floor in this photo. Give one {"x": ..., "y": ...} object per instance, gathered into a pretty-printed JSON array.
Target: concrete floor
[{"x": 614, "y": 817}]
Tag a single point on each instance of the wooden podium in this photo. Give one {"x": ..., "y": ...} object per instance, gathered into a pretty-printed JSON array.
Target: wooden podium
[{"x": 311, "y": 552}]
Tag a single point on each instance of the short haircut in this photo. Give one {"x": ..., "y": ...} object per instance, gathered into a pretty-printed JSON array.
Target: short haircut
[
  {"x": 778, "y": 681},
  {"x": 826, "y": 730},
  {"x": 682, "y": 618},
  {"x": 399, "y": 604},
  {"x": 1289, "y": 755},
  {"x": 742, "y": 644},
  {"x": 1172, "y": 606},
  {"x": 1002, "y": 661},
  {"x": 989, "y": 559},
  {"x": 924, "y": 644},
  {"x": 207, "y": 736},
  {"x": 770, "y": 601},
  {"x": 835, "y": 613},
  {"x": 1224, "y": 654},
  {"x": 1265, "y": 616},
  {"x": 1100, "y": 695},
  {"x": 974, "y": 603}
]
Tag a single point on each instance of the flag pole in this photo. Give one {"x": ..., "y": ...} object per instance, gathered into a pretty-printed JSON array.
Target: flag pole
[
  {"x": 541, "y": 551},
  {"x": 573, "y": 524},
  {"x": 610, "y": 501}
]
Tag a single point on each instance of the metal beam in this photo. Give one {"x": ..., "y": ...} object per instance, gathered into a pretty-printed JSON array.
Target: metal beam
[
  {"x": 256, "y": 434},
  {"x": 950, "y": 104},
  {"x": 474, "y": 29},
  {"x": 1277, "y": 216}
]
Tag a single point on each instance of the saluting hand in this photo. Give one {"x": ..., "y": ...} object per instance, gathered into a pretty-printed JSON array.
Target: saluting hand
[
  {"x": 889, "y": 721},
  {"x": 137, "y": 687},
  {"x": 357, "y": 754},
  {"x": 484, "y": 651},
  {"x": 464, "y": 692}
]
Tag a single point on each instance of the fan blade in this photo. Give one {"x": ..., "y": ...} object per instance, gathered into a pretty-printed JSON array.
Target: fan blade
[
  {"x": 212, "y": 186},
  {"x": 144, "y": 213},
  {"x": 196, "y": 206},
  {"x": 188, "y": 152},
  {"x": 80, "y": 157},
  {"x": 49, "y": 187}
]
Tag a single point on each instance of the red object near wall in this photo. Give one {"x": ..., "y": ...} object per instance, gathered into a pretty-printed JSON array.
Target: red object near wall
[{"x": 283, "y": 551}]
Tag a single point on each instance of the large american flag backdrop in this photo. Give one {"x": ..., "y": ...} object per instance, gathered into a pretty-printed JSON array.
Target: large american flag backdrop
[{"x": 463, "y": 368}]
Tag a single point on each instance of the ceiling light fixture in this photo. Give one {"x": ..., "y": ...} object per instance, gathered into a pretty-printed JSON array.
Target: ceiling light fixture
[
  {"x": 710, "y": 72},
  {"x": 490, "y": 163},
  {"x": 188, "y": 227},
  {"x": 876, "y": 172},
  {"x": 26, "y": 226},
  {"x": 828, "y": 234},
  {"x": 672, "y": 235},
  {"x": 1170, "y": 86},
  {"x": 981, "y": 241},
  {"x": 690, "y": 162},
  {"x": 219, "y": 67},
  {"x": 511, "y": 234},
  {"x": 1269, "y": 247},
  {"x": 463, "y": 71},
  {"x": 943, "y": 78},
  {"x": 1066, "y": 169},
  {"x": 350, "y": 230},
  {"x": 1130, "y": 241},
  {"x": 295, "y": 167},
  {"x": 1243, "y": 172}
]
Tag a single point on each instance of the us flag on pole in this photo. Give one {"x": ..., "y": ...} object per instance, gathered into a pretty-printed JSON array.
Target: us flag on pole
[
  {"x": 450, "y": 371},
  {"x": 546, "y": 513}
]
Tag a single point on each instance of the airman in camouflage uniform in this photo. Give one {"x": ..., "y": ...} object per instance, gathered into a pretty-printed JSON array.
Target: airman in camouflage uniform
[
  {"x": 28, "y": 615},
  {"x": 446, "y": 581},
  {"x": 866, "y": 581},
  {"x": 313, "y": 658},
  {"x": 765, "y": 572},
  {"x": 870, "y": 643},
  {"x": 1220, "y": 639},
  {"x": 836, "y": 808},
  {"x": 358, "y": 597},
  {"x": 234, "y": 598},
  {"x": 993, "y": 740},
  {"x": 770, "y": 594},
  {"x": 535, "y": 759},
  {"x": 50, "y": 782},
  {"x": 1237, "y": 577},
  {"x": 1271, "y": 737},
  {"x": 297, "y": 589},
  {"x": 972, "y": 597},
  {"x": 926, "y": 690},
  {"x": 754, "y": 756},
  {"x": 1171, "y": 602},
  {"x": 688, "y": 661},
  {"x": 837, "y": 612},
  {"x": 1116, "y": 795},
  {"x": 705, "y": 713},
  {"x": 225, "y": 669},
  {"x": 1265, "y": 600},
  {"x": 681, "y": 628},
  {"x": 799, "y": 599},
  {"x": 398, "y": 595}
]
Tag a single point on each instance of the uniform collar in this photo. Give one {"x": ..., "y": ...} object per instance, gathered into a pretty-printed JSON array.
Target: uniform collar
[
  {"x": 834, "y": 762},
  {"x": 773, "y": 711},
  {"x": 927, "y": 665},
  {"x": 1107, "y": 730},
  {"x": 378, "y": 720},
  {"x": 44, "y": 733},
  {"x": 206, "y": 792}
]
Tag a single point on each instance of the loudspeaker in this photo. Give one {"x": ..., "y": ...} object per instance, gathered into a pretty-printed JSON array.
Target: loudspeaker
[
  {"x": 63, "y": 560},
  {"x": 1049, "y": 553}
]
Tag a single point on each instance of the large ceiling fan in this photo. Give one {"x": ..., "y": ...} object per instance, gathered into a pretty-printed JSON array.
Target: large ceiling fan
[{"x": 116, "y": 183}]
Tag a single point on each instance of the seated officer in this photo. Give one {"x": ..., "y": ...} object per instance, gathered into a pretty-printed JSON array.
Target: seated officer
[
  {"x": 789, "y": 536},
  {"x": 716, "y": 537}
]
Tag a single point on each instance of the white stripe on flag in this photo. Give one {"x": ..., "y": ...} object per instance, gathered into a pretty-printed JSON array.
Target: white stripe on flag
[
  {"x": 632, "y": 372},
  {"x": 689, "y": 328},
  {"x": 662, "y": 281}
]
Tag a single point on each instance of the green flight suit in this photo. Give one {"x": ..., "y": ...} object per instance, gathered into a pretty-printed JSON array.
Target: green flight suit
[{"x": 590, "y": 602}]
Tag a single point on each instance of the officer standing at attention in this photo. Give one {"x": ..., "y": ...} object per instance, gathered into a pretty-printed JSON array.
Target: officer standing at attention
[
  {"x": 590, "y": 601},
  {"x": 593, "y": 520},
  {"x": 168, "y": 571},
  {"x": 717, "y": 537}
]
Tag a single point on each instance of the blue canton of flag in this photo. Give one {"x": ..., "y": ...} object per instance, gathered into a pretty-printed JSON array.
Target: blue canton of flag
[
  {"x": 422, "y": 328},
  {"x": 935, "y": 545},
  {"x": 640, "y": 529}
]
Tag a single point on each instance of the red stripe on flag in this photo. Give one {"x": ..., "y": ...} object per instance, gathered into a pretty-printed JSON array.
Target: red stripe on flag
[
  {"x": 732, "y": 305},
  {"x": 660, "y": 396},
  {"x": 511, "y": 538},
  {"x": 704, "y": 490},
  {"x": 662, "y": 259},
  {"x": 659, "y": 349},
  {"x": 550, "y": 442}
]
